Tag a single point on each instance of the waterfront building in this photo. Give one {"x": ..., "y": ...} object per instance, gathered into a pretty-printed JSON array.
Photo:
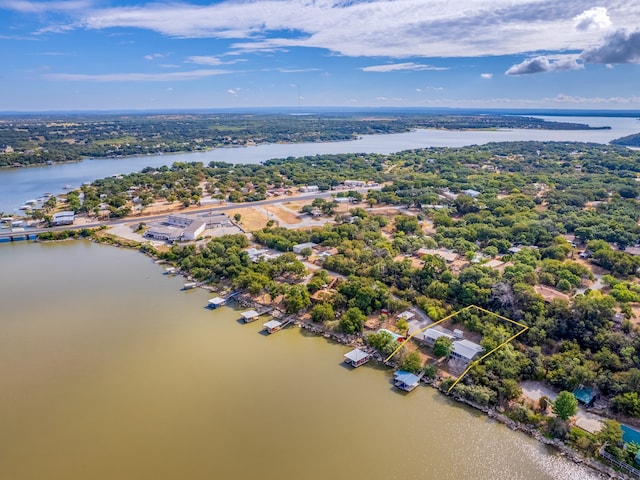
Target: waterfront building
[
  {"x": 63, "y": 218},
  {"x": 405, "y": 380},
  {"x": 465, "y": 351},
  {"x": 356, "y": 357}
]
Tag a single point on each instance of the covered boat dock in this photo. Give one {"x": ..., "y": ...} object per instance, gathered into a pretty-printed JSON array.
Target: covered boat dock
[{"x": 356, "y": 357}]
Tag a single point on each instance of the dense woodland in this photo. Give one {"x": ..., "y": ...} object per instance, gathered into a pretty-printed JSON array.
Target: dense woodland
[
  {"x": 525, "y": 194},
  {"x": 37, "y": 139}
]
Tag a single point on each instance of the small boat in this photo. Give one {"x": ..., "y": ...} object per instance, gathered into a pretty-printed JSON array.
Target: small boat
[
  {"x": 67, "y": 187},
  {"x": 189, "y": 285}
]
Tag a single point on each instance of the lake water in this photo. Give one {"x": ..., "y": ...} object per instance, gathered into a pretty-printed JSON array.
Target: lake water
[
  {"x": 109, "y": 372},
  {"x": 20, "y": 184}
]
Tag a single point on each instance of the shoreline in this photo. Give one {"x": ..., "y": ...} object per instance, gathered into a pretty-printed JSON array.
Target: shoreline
[{"x": 358, "y": 340}]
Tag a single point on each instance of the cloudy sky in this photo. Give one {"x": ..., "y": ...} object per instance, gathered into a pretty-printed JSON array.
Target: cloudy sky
[{"x": 186, "y": 54}]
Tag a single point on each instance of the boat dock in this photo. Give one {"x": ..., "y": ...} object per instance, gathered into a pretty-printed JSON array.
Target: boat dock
[
  {"x": 272, "y": 326},
  {"x": 216, "y": 302},
  {"x": 356, "y": 357},
  {"x": 406, "y": 381},
  {"x": 190, "y": 285}
]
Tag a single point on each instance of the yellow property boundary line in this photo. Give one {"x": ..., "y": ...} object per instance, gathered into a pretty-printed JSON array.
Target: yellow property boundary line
[{"x": 472, "y": 364}]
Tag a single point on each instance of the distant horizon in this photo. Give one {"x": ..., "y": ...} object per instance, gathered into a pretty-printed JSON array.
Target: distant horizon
[{"x": 586, "y": 112}]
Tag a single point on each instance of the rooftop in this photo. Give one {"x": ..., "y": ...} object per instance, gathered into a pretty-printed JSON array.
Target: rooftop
[
  {"x": 356, "y": 355},
  {"x": 466, "y": 349}
]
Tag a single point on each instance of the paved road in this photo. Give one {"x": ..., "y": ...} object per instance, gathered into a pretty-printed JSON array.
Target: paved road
[{"x": 151, "y": 218}]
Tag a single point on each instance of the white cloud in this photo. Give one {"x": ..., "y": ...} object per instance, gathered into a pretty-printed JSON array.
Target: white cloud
[
  {"x": 543, "y": 64},
  {"x": 211, "y": 60},
  {"x": 593, "y": 19},
  {"x": 401, "y": 66},
  {"x": 617, "y": 47},
  {"x": 232, "y": 92},
  {"x": 486, "y": 76},
  {"x": 153, "y": 56},
  {"x": 26, "y": 6},
  {"x": 136, "y": 77},
  {"x": 298, "y": 70},
  {"x": 204, "y": 60},
  {"x": 392, "y": 28}
]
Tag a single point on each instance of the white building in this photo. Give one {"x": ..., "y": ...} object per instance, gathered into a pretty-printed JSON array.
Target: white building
[
  {"x": 163, "y": 232},
  {"x": 354, "y": 183},
  {"x": 297, "y": 249},
  {"x": 63, "y": 218},
  {"x": 465, "y": 351},
  {"x": 309, "y": 189},
  {"x": 194, "y": 230},
  {"x": 432, "y": 334}
]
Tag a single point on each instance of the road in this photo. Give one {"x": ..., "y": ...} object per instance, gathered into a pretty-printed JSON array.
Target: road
[{"x": 151, "y": 218}]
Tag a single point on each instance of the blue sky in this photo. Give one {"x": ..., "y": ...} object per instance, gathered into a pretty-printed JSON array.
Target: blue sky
[{"x": 117, "y": 54}]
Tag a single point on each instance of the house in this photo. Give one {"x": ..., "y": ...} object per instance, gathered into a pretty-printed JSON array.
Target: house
[
  {"x": 432, "y": 334},
  {"x": 256, "y": 254},
  {"x": 356, "y": 357},
  {"x": 6, "y": 149},
  {"x": 471, "y": 193},
  {"x": 354, "y": 183},
  {"x": 297, "y": 249},
  {"x": 406, "y": 315},
  {"x": 549, "y": 294},
  {"x": 63, "y": 218},
  {"x": 449, "y": 256},
  {"x": 585, "y": 395},
  {"x": 464, "y": 351},
  {"x": 495, "y": 264},
  {"x": 405, "y": 380},
  {"x": 309, "y": 189}
]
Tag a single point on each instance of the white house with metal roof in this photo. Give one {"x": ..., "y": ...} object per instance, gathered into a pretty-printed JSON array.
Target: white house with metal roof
[
  {"x": 430, "y": 335},
  {"x": 301, "y": 246},
  {"x": 465, "y": 351}
]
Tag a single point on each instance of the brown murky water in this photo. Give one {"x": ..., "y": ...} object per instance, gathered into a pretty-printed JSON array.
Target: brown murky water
[{"x": 109, "y": 371}]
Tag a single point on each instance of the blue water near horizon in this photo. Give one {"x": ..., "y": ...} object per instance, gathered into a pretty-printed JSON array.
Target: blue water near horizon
[{"x": 20, "y": 184}]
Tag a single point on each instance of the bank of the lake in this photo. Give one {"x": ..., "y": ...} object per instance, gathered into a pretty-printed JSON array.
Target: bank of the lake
[
  {"x": 20, "y": 184},
  {"x": 109, "y": 371}
]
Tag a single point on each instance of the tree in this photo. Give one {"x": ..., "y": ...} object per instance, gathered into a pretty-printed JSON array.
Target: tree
[
  {"x": 442, "y": 346},
  {"x": 352, "y": 320},
  {"x": 565, "y": 405},
  {"x": 627, "y": 403},
  {"x": 237, "y": 217},
  {"x": 296, "y": 299},
  {"x": 402, "y": 325},
  {"x": 411, "y": 362},
  {"x": 383, "y": 342},
  {"x": 322, "y": 312}
]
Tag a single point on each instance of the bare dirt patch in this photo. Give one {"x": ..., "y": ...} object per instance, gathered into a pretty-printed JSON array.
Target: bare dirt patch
[
  {"x": 283, "y": 214},
  {"x": 250, "y": 219}
]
